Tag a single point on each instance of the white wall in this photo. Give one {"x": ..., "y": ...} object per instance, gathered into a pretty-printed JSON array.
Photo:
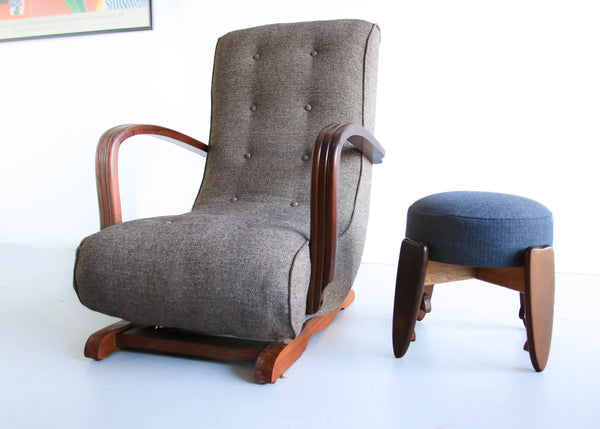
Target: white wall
[{"x": 480, "y": 95}]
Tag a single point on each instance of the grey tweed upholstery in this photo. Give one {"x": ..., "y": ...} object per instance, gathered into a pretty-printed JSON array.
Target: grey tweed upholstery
[
  {"x": 479, "y": 229},
  {"x": 238, "y": 264}
]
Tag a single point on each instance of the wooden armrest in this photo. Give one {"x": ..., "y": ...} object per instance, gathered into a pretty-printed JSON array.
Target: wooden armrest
[
  {"x": 107, "y": 157},
  {"x": 325, "y": 176}
]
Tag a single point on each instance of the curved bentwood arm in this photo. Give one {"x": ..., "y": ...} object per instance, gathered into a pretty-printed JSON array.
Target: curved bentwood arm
[
  {"x": 323, "y": 222},
  {"x": 107, "y": 160}
]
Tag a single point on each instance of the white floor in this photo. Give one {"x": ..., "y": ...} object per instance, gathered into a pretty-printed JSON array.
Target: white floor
[{"x": 467, "y": 368}]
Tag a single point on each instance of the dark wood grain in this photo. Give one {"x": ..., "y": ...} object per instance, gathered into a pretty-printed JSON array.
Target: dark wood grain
[
  {"x": 317, "y": 222},
  {"x": 107, "y": 163},
  {"x": 324, "y": 191},
  {"x": 410, "y": 279},
  {"x": 178, "y": 342}
]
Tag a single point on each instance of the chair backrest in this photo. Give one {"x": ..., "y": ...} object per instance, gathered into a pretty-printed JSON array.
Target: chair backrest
[{"x": 274, "y": 88}]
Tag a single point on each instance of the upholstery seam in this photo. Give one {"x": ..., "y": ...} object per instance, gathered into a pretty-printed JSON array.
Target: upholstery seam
[
  {"x": 482, "y": 218},
  {"x": 75, "y": 287},
  {"x": 362, "y": 156},
  {"x": 196, "y": 200},
  {"x": 290, "y": 321},
  {"x": 364, "y": 73}
]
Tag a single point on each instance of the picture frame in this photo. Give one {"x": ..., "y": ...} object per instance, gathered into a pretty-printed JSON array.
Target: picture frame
[{"x": 28, "y": 19}]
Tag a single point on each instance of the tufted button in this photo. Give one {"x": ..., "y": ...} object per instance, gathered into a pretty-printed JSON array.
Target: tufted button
[
  {"x": 313, "y": 53},
  {"x": 305, "y": 157},
  {"x": 253, "y": 108},
  {"x": 256, "y": 56},
  {"x": 233, "y": 199},
  {"x": 247, "y": 155},
  {"x": 294, "y": 204},
  {"x": 308, "y": 107}
]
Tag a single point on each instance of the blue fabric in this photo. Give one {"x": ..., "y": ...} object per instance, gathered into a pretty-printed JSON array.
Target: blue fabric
[{"x": 479, "y": 229}]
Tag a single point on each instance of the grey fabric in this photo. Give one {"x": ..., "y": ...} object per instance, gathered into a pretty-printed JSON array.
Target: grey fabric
[
  {"x": 239, "y": 263},
  {"x": 479, "y": 229},
  {"x": 274, "y": 88},
  {"x": 198, "y": 268}
]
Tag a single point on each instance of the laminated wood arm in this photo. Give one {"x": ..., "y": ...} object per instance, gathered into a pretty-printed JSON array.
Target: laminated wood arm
[
  {"x": 325, "y": 177},
  {"x": 107, "y": 158}
]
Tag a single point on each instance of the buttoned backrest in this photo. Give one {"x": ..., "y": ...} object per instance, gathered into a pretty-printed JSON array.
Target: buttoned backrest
[{"x": 274, "y": 88}]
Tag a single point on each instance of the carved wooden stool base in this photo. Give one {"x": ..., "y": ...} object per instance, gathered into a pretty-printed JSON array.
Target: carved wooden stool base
[
  {"x": 409, "y": 293},
  {"x": 539, "y": 304},
  {"x": 271, "y": 359},
  {"x": 535, "y": 282}
]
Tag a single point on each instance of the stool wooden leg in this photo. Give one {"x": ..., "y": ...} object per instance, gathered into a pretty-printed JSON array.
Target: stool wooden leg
[
  {"x": 522, "y": 308},
  {"x": 425, "y": 302},
  {"x": 539, "y": 303},
  {"x": 410, "y": 279}
]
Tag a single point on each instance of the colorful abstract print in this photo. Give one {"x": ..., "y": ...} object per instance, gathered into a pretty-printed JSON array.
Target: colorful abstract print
[
  {"x": 36, "y": 8},
  {"x": 122, "y": 4}
]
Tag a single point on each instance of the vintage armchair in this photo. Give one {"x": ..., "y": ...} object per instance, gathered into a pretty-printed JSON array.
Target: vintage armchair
[{"x": 268, "y": 254}]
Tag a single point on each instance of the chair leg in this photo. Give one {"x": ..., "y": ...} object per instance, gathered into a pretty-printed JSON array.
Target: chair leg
[
  {"x": 103, "y": 343},
  {"x": 539, "y": 303},
  {"x": 271, "y": 359},
  {"x": 410, "y": 279},
  {"x": 277, "y": 357}
]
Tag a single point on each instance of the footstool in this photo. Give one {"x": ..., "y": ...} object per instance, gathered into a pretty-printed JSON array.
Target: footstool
[{"x": 498, "y": 238}]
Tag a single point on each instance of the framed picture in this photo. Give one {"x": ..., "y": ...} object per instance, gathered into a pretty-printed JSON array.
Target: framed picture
[{"x": 23, "y": 19}]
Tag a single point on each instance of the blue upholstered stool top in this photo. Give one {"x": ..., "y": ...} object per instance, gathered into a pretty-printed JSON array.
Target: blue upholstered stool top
[{"x": 479, "y": 229}]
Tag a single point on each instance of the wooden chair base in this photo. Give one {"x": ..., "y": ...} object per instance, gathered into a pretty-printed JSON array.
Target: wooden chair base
[
  {"x": 534, "y": 281},
  {"x": 271, "y": 359}
]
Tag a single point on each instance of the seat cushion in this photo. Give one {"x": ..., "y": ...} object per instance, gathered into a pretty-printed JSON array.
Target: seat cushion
[
  {"x": 248, "y": 279},
  {"x": 479, "y": 229}
]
